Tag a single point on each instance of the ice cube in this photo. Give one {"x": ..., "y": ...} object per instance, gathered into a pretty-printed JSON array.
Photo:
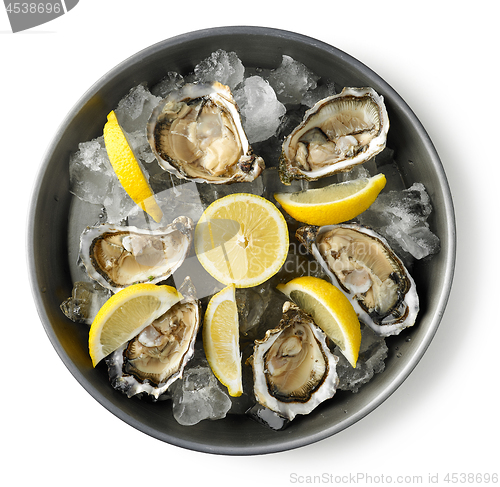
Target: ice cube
[
  {"x": 270, "y": 149},
  {"x": 311, "y": 97},
  {"x": 92, "y": 178},
  {"x": 181, "y": 200},
  {"x": 425, "y": 239},
  {"x": 291, "y": 80},
  {"x": 260, "y": 109},
  {"x": 91, "y": 174},
  {"x": 401, "y": 217},
  {"x": 172, "y": 81},
  {"x": 224, "y": 67},
  {"x": 411, "y": 206},
  {"x": 138, "y": 141},
  {"x": 134, "y": 109},
  {"x": 357, "y": 172},
  {"x": 117, "y": 203},
  {"x": 372, "y": 354},
  {"x": 198, "y": 396},
  {"x": 417, "y": 240},
  {"x": 86, "y": 300},
  {"x": 252, "y": 303}
]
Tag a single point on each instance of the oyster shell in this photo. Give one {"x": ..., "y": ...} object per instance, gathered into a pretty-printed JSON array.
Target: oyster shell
[
  {"x": 362, "y": 264},
  {"x": 336, "y": 134},
  {"x": 117, "y": 256},
  {"x": 155, "y": 358},
  {"x": 196, "y": 133},
  {"x": 294, "y": 370}
]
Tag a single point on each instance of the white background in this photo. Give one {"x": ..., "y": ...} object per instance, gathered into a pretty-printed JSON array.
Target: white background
[{"x": 442, "y": 58}]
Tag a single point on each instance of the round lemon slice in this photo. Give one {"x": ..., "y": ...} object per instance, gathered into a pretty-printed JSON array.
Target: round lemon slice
[
  {"x": 332, "y": 204},
  {"x": 126, "y": 314},
  {"x": 127, "y": 168},
  {"x": 221, "y": 339},
  {"x": 331, "y": 311},
  {"x": 241, "y": 239}
]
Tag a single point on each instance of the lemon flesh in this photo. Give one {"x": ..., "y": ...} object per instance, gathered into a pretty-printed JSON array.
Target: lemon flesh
[
  {"x": 126, "y": 314},
  {"x": 330, "y": 310},
  {"x": 221, "y": 339},
  {"x": 332, "y": 204},
  {"x": 241, "y": 239},
  {"x": 127, "y": 168}
]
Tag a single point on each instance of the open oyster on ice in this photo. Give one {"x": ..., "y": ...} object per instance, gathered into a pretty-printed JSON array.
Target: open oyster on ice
[
  {"x": 155, "y": 358},
  {"x": 336, "y": 134},
  {"x": 361, "y": 263},
  {"x": 294, "y": 370},
  {"x": 116, "y": 256},
  {"x": 196, "y": 133}
]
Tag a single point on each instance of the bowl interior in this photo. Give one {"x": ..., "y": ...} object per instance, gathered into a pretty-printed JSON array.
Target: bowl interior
[{"x": 48, "y": 238}]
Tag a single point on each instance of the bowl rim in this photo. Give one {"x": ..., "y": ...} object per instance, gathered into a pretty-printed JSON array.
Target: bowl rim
[{"x": 284, "y": 444}]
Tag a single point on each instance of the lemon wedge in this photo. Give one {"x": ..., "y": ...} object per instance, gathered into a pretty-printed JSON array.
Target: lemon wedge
[
  {"x": 331, "y": 311},
  {"x": 241, "y": 239},
  {"x": 126, "y": 314},
  {"x": 332, "y": 204},
  {"x": 127, "y": 168},
  {"x": 221, "y": 339}
]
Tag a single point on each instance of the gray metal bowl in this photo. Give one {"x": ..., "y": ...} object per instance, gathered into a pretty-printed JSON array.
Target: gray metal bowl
[{"x": 48, "y": 236}]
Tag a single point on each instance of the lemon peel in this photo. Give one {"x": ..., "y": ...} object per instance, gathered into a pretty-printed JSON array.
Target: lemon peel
[
  {"x": 330, "y": 310},
  {"x": 127, "y": 168},
  {"x": 332, "y": 204},
  {"x": 126, "y": 314},
  {"x": 221, "y": 339}
]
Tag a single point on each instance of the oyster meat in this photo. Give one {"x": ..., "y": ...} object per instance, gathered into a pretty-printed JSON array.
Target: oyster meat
[
  {"x": 196, "y": 133},
  {"x": 336, "y": 134},
  {"x": 156, "y": 357},
  {"x": 294, "y": 370},
  {"x": 117, "y": 256},
  {"x": 361, "y": 263}
]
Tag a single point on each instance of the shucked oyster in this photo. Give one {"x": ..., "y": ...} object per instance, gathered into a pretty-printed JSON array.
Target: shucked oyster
[
  {"x": 337, "y": 133},
  {"x": 155, "y": 358},
  {"x": 294, "y": 370},
  {"x": 117, "y": 256},
  {"x": 196, "y": 133},
  {"x": 369, "y": 273}
]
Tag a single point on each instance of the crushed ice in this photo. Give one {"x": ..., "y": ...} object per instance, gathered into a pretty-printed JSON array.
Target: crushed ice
[
  {"x": 272, "y": 103},
  {"x": 224, "y": 67},
  {"x": 260, "y": 109},
  {"x": 291, "y": 80},
  {"x": 134, "y": 109},
  {"x": 371, "y": 360},
  {"x": 401, "y": 216},
  {"x": 86, "y": 300},
  {"x": 198, "y": 395}
]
